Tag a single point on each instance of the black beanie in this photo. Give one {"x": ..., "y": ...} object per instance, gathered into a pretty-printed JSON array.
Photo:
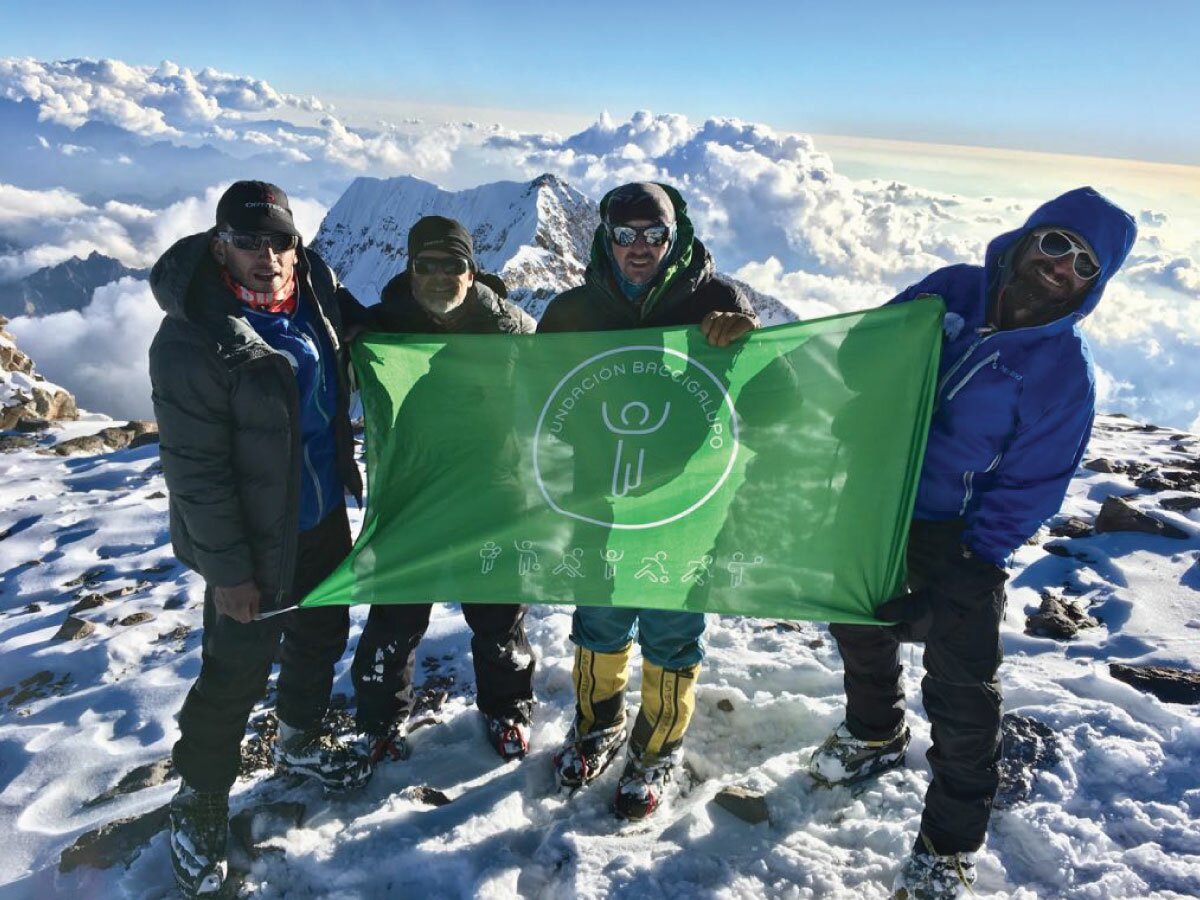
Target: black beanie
[
  {"x": 440, "y": 233},
  {"x": 640, "y": 200}
]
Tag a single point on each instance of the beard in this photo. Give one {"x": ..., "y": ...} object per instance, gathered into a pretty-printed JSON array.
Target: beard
[{"x": 1031, "y": 299}]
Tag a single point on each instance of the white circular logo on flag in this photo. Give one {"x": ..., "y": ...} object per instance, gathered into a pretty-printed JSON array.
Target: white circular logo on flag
[{"x": 635, "y": 437}]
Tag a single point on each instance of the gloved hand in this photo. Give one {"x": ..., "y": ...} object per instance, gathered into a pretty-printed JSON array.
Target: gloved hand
[
  {"x": 961, "y": 584},
  {"x": 910, "y": 607},
  {"x": 913, "y": 613}
]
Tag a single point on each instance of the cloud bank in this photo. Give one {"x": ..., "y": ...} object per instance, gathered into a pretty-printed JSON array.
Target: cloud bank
[
  {"x": 88, "y": 139},
  {"x": 98, "y": 353}
]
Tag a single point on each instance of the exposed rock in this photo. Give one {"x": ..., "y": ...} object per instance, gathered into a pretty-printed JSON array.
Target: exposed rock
[
  {"x": 1106, "y": 466},
  {"x": 1058, "y": 550},
  {"x": 157, "y": 495},
  {"x": 120, "y": 436},
  {"x": 73, "y": 629},
  {"x": 64, "y": 286},
  {"x": 1071, "y": 527},
  {"x": 748, "y": 805},
  {"x": 88, "y": 443},
  {"x": 86, "y": 602},
  {"x": 30, "y": 399},
  {"x": 11, "y": 443},
  {"x": 423, "y": 793},
  {"x": 1058, "y": 618},
  {"x": 115, "y": 437},
  {"x": 1168, "y": 480},
  {"x": 31, "y": 424},
  {"x": 136, "y": 618},
  {"x": 88, "y": 577},
  {"x": 12, "y": 359},
  {"x": 725, "y": 705},
  {"x": 1027, "y": 747},
  {"x": 115, "y": 842},
  {"x": 178, "y": 633},
  {"x": 1180, "y": 504},
  {"x": 36, "y": 687},
  {"x": 256, "y": 750},
  {"x": 1167, "y": 684},
  {"x": 33, "y": 608},
  {"x": 147, "y": 776},
  {"x": 1119, "y": 515},
  {"x": 141, "y": 440}
]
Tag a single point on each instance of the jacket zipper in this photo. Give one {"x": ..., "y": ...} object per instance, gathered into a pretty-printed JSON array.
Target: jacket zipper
[
  {"x": 990, "y": 360},
  {"x": 962, "y": 359},
  {"x": 969, "y": 482}
]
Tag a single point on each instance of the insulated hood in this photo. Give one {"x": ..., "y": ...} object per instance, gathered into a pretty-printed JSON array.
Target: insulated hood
[{"x": 1108, "y": 228}]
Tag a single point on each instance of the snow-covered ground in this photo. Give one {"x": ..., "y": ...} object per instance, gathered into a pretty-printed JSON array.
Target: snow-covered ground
[{"x": 1117, "y": 816}]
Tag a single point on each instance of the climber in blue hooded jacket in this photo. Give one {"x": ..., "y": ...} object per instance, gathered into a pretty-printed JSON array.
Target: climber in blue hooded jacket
[{"x": 1012, "y": 416}]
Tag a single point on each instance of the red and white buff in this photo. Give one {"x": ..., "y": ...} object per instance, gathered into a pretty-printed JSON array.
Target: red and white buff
[{"x": 280, "y": 301}]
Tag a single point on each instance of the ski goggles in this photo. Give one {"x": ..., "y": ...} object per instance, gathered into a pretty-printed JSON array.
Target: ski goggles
[
  {"x": 627, "y": 235},
  {"x": 441, "y": 265},
  {"x": 1056, "y": 244},
  {"x": 254, "y": 242}
]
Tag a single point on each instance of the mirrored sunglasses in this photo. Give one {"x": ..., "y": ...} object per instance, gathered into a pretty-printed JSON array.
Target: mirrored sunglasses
[
  {"x": 242, "y": 241},
  {"x": 626, "y": 235},
  {"x": 1056, "y": 244},
  {"x": 448, "y": 265}
]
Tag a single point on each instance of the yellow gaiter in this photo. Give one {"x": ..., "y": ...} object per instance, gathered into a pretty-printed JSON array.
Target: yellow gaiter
[
  {"x": 668, "y": 702},
  {"x": 600, "y": 680}
]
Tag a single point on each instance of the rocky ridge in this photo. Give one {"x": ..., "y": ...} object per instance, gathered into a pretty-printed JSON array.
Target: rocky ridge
[
  {"x": 66, "y": 286},
  {"x": 26, "y": 398}
]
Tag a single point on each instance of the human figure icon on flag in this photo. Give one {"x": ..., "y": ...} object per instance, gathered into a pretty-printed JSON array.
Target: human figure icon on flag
[
  {"x": 653, "y": 568},
  {"x": 633, "y": 416},
  {"x": 527, "y": 558},
  {"x": 489, "y": 552}
]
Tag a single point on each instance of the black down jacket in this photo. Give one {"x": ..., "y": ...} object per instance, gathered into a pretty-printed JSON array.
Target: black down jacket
[
  {"x": 228, "y": 416},
  {"x": 484, "y": 311}
]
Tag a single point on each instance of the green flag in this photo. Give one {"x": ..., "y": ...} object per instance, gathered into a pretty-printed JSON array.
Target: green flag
[{"x": 645, "y": 468}]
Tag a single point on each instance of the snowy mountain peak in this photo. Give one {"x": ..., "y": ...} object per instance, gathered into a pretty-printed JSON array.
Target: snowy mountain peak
[{"x": 536, "y": 234}]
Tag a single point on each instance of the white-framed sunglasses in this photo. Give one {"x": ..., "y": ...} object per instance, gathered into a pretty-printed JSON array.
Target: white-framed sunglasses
[{"x": 1056, "y": 244}]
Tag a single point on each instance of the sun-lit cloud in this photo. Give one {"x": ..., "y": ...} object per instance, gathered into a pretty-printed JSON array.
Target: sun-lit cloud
[
  {"x": 773, "y": 207},
  {"x": 99, "y": 353},
  {"x": 50, "y": 227}
]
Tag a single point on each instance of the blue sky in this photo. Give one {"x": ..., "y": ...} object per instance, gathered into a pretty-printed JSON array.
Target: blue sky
[{"x": 1101, "y": 78}]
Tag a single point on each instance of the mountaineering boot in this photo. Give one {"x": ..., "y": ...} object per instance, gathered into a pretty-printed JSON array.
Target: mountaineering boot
[
  {"x": 668, "y": 702},
  {"x": 643, "y": 785},
  {"x": 599, "y": 729},
  {"x": 583, "y": 757},
  {"x": 845, "y": 759},
  {"x": 928, "y": 875},
  {"x": 390, "y": 745},
  {"x": 199, "y": 831},
  {"x": 508, "y": 735},
  {"x": 319, "y": 754}
]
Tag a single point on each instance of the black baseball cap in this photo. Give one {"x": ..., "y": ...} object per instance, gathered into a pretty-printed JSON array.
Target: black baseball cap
[{"x": 257, "y": 207}]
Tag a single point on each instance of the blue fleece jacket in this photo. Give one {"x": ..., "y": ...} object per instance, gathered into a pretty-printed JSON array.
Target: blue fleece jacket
[
  {"x": 1014, "y": 408},
  {"x": 302, "y": 339}
]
